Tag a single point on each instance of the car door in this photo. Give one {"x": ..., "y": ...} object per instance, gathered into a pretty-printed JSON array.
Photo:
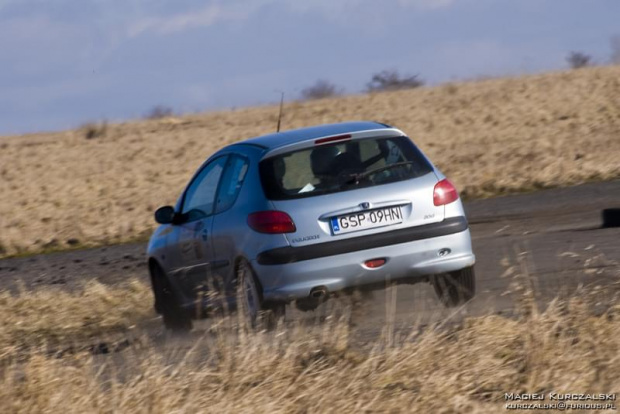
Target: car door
[
  {"x": 191, "y": 240},
  {"x": 227, "y": 221}
]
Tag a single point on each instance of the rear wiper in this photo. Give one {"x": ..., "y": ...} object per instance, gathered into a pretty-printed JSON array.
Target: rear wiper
[{"x": 358, "y": 176}]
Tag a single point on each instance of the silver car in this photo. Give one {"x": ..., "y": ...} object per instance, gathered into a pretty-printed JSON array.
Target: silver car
[{"x": 301, "y": 215}]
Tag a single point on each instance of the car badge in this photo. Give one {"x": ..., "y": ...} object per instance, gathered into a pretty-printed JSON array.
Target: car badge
[{"x": 365, "y": 205}]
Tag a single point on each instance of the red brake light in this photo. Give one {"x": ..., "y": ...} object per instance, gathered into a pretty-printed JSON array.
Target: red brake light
[
  {"x": 444, "y": 193},
  {"x": 271, "y": 222},
  {"x": 332, "y": 139}
]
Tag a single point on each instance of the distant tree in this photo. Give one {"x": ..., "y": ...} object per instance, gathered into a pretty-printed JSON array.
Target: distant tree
[
  {"x": 92, "y": 130},
  {"x": 615, "y": 49},
  {"x": 578, "y": 60},
  {"x": 321, "y": 89},
  {"x": 159, "y": 112},
  {"x": 391, "y": 80}
]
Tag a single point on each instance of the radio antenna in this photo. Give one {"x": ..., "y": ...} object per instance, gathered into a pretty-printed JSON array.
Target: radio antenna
[{"x": 280, "y": 114}]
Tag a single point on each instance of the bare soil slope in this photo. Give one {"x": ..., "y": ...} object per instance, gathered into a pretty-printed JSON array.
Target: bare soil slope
[{"x": 100, "y": 184}]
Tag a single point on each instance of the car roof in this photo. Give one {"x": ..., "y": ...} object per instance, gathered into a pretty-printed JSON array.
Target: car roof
[{"x": 293, "y": 136}]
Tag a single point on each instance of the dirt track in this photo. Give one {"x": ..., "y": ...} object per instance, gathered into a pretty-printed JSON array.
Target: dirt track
[{"x": 555, "y": 237}]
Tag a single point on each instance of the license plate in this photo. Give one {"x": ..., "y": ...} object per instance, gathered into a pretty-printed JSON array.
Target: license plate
[{"x": 366, "y": 220}]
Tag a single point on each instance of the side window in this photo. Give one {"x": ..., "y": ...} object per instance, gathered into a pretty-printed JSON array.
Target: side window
[
  {"x": 200, "y": 195},
  {"x": 236, "y": 170}
]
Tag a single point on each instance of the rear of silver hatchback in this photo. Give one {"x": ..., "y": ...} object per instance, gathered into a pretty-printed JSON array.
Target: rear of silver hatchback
[{"x": 358, "y": 211}]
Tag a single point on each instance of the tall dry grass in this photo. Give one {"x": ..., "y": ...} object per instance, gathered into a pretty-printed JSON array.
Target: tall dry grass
[
  {"x": 464, "y": 368},
  {"x": 491, "y": 137},
  {"x": 51, "y": 318}
]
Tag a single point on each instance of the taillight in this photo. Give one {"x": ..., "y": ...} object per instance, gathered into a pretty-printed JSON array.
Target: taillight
[
  {"x": 444, "y": 193},
  {"x": 271, "y": 222}
]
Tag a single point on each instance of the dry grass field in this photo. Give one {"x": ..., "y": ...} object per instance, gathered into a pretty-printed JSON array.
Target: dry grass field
[
  {"x": 101, "y": 183},
  {"x": 464, "y": 368}
]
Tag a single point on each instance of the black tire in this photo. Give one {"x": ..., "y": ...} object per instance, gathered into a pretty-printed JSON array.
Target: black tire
[
  {"x": 155, "y": 285},
  {"x": 255, "y": 312},
  {"x": 167, "y": 303},
  {"x": 455, "y": 288}
]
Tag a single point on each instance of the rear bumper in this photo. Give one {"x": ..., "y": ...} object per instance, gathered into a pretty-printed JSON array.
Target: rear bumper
[
  {"x": 288, "y": 254},
  {"x": 406, "y": 261}
]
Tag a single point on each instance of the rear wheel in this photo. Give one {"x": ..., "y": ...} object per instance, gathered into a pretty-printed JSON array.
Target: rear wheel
[
  {"x": 250, "y": 304},
  {"x": 455, "y": 288},
  {"x": 167, "y": 303}
]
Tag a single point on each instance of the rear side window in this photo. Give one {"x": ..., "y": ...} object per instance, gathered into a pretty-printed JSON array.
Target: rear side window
[
  {"x": 235, "y": 172},
  {"x": 339, "y": 167}
]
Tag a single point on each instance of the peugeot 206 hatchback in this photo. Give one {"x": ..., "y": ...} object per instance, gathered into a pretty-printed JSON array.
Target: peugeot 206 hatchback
[{"x": 304, "y": 214}]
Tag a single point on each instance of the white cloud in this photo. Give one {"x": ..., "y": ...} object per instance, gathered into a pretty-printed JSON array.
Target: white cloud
[
  {"x": 427, "y": 4},
  {"x": 208, "y": 15},
  {"x": 214, "y": 12},
  {"x": 331, "y": 7},
  {"x": 218, "y": 11},
  {"x": 139, "y": 16}
]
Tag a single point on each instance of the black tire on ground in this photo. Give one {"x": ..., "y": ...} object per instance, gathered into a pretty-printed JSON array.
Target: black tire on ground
[
  {"x": 167, "y": 303},
  {"x": 256, "y": 313},
  {"x": 455, "y": 288}
]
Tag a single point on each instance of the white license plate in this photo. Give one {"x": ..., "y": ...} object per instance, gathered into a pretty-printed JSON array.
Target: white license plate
[{"x": 366, "y": 220}]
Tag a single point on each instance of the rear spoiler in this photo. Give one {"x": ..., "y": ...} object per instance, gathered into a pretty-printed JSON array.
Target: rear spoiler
[{"x": 310, "y": 143}]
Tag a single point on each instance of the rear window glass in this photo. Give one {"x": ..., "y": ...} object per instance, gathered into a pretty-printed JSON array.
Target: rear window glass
[{"x": 339, "y": 167}]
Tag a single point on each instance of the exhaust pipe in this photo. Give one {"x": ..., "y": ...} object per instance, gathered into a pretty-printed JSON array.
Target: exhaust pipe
[
  {"x": 317, "y": 296},
  {"x": 319, "y": 293}
]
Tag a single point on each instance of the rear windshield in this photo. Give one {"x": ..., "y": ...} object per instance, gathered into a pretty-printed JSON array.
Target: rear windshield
[{"x": 343, "y": 166}]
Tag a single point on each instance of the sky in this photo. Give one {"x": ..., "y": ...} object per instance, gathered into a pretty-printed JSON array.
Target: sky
[{"x": 64, "y": 63}]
